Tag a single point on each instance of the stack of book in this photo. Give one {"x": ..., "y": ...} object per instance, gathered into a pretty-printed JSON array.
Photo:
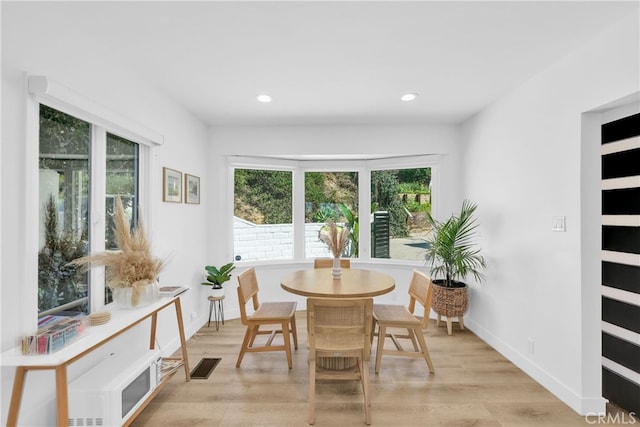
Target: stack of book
[
  {"x": 54, "y": 333},
  {"x": 172, "y": 291}
]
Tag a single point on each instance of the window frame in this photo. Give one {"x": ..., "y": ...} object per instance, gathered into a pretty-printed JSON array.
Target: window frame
[
  {"x": 323, "y": 169},
  {"x": 42, "y": 90},
  {"x": 299, "y": 167},
  {"x": 413, "y": 162}
]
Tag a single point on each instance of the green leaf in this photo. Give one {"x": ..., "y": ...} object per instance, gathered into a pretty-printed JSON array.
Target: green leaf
[
  {"x": 217, "y": 276},
  {"x": 452, "y": 251}
]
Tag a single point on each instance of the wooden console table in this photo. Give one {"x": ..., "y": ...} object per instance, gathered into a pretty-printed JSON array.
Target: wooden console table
[{"x": 95, "y": 336}]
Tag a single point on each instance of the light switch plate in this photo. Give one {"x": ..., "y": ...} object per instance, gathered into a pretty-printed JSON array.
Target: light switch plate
[{"x": 558, "y": 223}]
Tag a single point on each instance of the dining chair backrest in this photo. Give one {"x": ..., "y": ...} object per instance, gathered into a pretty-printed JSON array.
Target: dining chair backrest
[
  {"x": 328, "y": 262},
  {"x": 421, "y": 291},
  {"x": 247, "y": 289},
  {"x": 339, "y": 330},
  {"x": 340, "y": 325}
]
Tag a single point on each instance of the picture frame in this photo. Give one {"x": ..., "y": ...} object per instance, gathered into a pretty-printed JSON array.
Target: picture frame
[
  {"x": 191, "y": 189},
  {"x": 171, "y": 185}
]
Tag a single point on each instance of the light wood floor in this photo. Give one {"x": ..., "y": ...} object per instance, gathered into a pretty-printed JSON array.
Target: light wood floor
[{"x": 473, "y": 386}]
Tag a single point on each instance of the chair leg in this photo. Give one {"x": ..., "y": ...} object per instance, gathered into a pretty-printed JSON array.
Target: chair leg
[
  {"x": 425, "y": 351},
  {"x": 412, "y": 337},
  {"x": 287, "y": 342},
  {"x": 373, "y": 329},
  {"x": 461, "y": 322},
  {"x": 360, "y": 363},
  {"x": 364, "y": 377},
  {"x": 312, "y": 391},
  {"x": 294, "y": 330},
  {"x": 245, "y": 344},
  {"x": 382, "y": 335},
  {"x": 438, "y": 320}
]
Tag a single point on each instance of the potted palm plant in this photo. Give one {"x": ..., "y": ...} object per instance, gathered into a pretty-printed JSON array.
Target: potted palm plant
[
  {"x": 216, "y": 276},
  {"x": 453, "y": 255}
]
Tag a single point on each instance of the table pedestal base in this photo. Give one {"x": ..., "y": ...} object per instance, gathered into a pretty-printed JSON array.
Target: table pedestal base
[{"x": 336, "y": 363}]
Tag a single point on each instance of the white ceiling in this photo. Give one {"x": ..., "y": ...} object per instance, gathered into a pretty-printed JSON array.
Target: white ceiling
[{"x": 333, "y": 62}]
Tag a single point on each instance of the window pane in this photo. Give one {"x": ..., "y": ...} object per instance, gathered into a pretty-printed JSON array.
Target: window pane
[
  {"x": 334, "y": 196},
  {"x": 121, "y": 180},
  {"x": 263, "y": 214},
  {"x": 64, "y": 211},
  {"x": 400, "y": 198}
]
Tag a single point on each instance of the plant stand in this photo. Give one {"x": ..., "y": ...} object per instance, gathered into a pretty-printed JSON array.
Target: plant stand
[
  {"x": 216, "y": 305},
  {"x": 450, "y": 303}
]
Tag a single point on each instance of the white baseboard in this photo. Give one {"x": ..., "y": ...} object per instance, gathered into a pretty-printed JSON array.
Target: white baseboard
[{"x": 582, "y": 405}]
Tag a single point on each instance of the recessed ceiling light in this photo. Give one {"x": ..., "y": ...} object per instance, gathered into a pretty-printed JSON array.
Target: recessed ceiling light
[
  {"x": 264, "y": 98},
  {"x": 409, "y": 96}
]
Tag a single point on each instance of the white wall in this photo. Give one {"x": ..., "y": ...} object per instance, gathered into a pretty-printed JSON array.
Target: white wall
[
  {"x": 523, "y": 163},
  {"x": 178, "y": 231}
]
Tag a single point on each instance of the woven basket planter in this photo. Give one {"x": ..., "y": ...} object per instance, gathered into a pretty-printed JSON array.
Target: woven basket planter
[{"x": 450, "y": 302}]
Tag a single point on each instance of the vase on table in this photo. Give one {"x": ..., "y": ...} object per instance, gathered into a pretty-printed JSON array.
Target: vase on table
[
  {"x": 136, "y": 296},
  {"x": 337, "y": 268}
]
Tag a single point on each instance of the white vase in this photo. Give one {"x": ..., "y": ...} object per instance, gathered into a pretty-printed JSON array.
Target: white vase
[
  {"x": 146, "y": 294},
  {"x": 337, "y": 268}
]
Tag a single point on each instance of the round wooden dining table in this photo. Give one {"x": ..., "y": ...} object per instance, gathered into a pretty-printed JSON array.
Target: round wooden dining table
[{"x": 353, "y": 283}]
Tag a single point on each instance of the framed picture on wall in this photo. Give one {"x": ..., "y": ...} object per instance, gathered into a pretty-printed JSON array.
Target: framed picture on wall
[
  {"x": 171, "y": 185},
  {"x": 191, "y": 189}
]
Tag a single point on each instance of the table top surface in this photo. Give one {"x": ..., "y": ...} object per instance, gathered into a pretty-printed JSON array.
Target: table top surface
[
  {"x": 353, "y": 283},
  {"x": 94, "y": 336}
]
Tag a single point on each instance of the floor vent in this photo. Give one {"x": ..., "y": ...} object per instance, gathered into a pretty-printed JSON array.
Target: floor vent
[{"x": 204, "y": 368}]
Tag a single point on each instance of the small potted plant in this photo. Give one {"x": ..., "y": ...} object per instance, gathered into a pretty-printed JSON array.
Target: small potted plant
[
  {"x": 217, "y": 276},
  {"x": 453, "y": 254}
]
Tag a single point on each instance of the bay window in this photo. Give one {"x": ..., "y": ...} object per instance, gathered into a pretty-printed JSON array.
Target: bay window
[{"x": 280, "y": 206}]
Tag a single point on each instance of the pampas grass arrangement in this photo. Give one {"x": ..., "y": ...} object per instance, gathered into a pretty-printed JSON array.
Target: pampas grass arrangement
[
  {"x": 133, "y": 266},
  {"x": 335, "y": 237}
]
